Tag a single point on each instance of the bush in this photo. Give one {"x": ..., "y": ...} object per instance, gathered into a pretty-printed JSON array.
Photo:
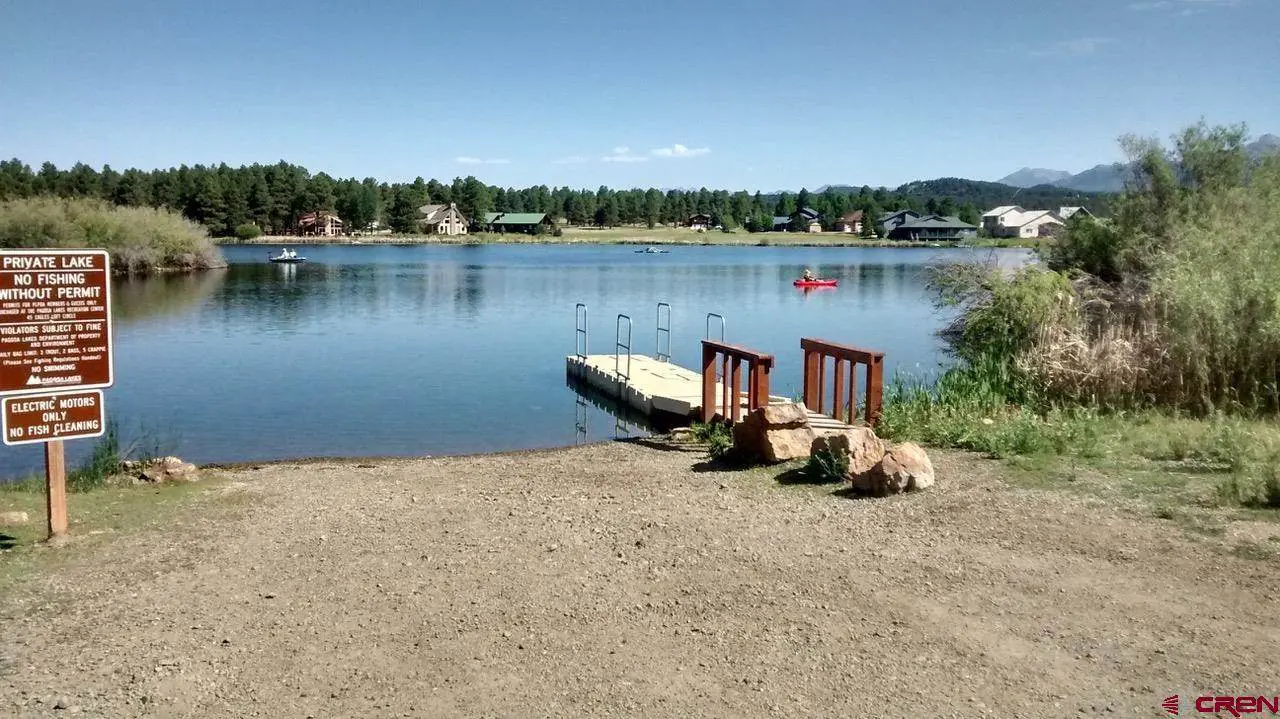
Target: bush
[
  {"x": 718, "y": 437},
  {"x": 557, "y": 232},
  {"x": 248, "y": 231},
  {"x": 103, "y": 462},
  {"x": 827, "y": 467},
  {"x": 140, "y": 240}
]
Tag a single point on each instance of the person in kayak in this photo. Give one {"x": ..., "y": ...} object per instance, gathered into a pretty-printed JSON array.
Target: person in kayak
[{"x": 808, "y": 275}]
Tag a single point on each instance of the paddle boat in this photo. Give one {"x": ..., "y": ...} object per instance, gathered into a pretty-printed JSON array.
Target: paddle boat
[
  {"x": 652, "y": 251},
  {"x": 816, "y": 283},
  {"x": 286, "y": 256}
]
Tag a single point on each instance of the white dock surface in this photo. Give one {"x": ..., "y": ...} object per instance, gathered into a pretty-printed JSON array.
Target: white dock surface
[{"x": 654, "y": 385}]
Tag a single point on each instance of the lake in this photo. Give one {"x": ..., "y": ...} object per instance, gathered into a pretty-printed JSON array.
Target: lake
[{"x": 417, "y": 350}]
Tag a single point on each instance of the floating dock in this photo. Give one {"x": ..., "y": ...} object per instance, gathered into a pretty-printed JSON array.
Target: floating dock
[
  {"x": 659, "y": 386},
  {"x": 653, "y": 385}
]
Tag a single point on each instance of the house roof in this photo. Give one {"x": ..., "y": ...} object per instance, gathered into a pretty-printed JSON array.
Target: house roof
[
  {"x": 1002, "y": 210},
  {"x": 891, "y": 215},
  {"x": 699, "y": 215},
  {"x": 808, "y": 213},
  {"x": 1026, "y": 218},
  {"x": 938, "y": 222},
  {"x": 1067, "y": 212},
  {"x": 781, "y": 221},
  {"x": 514, "y": 218}
]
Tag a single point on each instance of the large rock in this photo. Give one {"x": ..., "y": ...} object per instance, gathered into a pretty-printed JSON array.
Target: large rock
[
  {"x": 904, "y": 468},
  {"x": 860, "y": 447},
  {"x": 13, "y": 519},
  {"x": 164, "y": 469},
  {"x": 774, "y": 433}
]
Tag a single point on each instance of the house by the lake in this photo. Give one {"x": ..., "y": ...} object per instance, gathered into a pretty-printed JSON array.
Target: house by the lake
[
  {"x": 890, "y": 221},
  {"x": 933, "y": 228},
  {"x": 1067, "y": 213},
  {"x": 850, "y": 222},
  {"x": 809, "y": 219},
  {"x": 1013, "y": 221},
  {"x": 526, "y": 222},
  {"x": 443, "y": 219},
  {"x": 699, "y": 222},
  {"x": 320, "y": 223}
]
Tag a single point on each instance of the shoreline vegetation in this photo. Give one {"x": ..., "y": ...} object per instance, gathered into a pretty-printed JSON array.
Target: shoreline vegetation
[
  {"x": 1139, "y": 357},
  {"x": 140, "y": 240},
  {"x": 667, "y": 236}
]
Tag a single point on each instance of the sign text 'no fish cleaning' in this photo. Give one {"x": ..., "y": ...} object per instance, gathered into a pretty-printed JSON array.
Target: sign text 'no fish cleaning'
[{"x": 29, "y": 419}]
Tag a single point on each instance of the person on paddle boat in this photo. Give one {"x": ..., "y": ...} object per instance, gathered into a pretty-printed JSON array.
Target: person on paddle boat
[{"x": 808, "y": 275}]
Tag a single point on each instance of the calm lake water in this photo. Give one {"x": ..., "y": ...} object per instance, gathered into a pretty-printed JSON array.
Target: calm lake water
[{"x": 369, "y": 350}]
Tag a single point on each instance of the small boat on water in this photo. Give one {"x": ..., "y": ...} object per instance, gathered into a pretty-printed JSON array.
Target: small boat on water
[
  {"x": 816, "y": 283},
  {"x": 286, "y": 256},
  {"x": 651, "y": 251}
]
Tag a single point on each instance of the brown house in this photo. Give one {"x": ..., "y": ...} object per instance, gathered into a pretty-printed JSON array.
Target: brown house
[
  {"x": 699, "y": 222},
  {"x": 443, "y": 219},
  {"x": 320, "y": 224},
  {"x": 850, "y": 222}
]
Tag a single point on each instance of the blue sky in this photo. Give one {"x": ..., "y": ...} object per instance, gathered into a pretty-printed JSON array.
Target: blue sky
[{"x": 746, "y": 94}]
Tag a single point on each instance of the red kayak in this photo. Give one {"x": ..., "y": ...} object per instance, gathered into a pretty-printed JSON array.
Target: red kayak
[{"x": 816, "y": 283}]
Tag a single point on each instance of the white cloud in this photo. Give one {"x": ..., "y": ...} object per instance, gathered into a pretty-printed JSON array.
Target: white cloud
[
  {"x": 1185, "y": 7},
  {"x": 623, "y": 154},
  {"x": 575, "y": 160},
  {"x": 1077, "y": 46},
  {"x": 480, "y": 161},
  {"x": 681, "y": 151}
]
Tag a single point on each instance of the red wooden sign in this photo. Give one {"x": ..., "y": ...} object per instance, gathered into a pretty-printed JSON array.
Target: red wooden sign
[
  {"x": 33, "y": 418},
  {"x": 55, "y": 320}
]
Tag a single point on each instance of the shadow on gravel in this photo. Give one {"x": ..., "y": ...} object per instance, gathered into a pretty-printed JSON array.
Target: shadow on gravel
[
  {"x": 662, "y": 445},
  {"x": 800, "y": 476},
  {"x": 7, "y": 541}
]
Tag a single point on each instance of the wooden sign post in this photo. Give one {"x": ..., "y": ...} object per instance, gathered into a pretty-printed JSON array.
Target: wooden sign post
[{"x": 55, "y": 344}]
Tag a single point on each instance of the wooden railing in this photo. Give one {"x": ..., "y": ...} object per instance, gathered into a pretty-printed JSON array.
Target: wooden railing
[
  {"x": 730, "y": 358},
  {"x": 844, "y": 401}
]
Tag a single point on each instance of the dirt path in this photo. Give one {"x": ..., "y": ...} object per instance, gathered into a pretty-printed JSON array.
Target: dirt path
[{"x": 613, "y": 580}]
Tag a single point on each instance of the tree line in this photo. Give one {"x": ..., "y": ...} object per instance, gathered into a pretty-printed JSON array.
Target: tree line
[{"x": 270, "y": 198}]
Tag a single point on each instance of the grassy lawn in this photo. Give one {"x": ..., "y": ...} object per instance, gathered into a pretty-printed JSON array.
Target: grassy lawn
[
  {"x": 641, "y": 236},
  {"x": 94, "y": 517}
]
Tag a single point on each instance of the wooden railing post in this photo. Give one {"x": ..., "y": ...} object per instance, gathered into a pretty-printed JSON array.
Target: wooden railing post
[
  {"x": 729, "y": 359},
  {"x": 816, "y": 353},
  {"x": 708, "y": 382},
  {"x": 735, "y": 395},
  {"x": 837, "y": 397},
  {"x": 875, "y": 387},
  {"x": 811, "y": 386}
]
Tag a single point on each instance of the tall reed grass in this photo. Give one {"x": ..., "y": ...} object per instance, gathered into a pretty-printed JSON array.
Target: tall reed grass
[{"x": 140, "y": 240}]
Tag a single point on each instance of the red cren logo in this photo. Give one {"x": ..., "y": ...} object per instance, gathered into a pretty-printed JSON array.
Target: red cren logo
[
  {"x": 1170, "y": 704},
  {"x": 1235, "y": 706}
]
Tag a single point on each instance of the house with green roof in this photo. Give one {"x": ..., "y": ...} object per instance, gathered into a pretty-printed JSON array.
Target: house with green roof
[
  {"x": 526, "y": 222},
  {"x": 933, "y": 228}
]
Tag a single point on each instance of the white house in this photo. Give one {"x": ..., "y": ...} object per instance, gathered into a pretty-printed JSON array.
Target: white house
[
  {"x": 1013, "y": 221},
  {"x": 1067, "y": 213},
  {"x": 443, "y": 219}
]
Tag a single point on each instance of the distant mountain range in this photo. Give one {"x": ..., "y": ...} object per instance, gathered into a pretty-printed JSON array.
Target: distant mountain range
[{"x": 1108, "y": 178}]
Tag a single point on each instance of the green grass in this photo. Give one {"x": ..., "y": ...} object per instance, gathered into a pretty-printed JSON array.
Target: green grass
[
  {"x": 95, "y": 517},
  {"x": 624, "y": 236},
  {"x": 1163, "y": 458},
  {"x": 716, "y": 435},
  {"x": 140, "y": 240}
]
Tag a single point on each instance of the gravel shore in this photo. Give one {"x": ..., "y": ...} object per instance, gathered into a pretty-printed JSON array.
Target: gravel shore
[{"x": 627, "y": 580}]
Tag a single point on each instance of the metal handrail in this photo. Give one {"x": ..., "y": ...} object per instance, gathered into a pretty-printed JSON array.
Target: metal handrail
[
  {"x": 657, "y": 340},
  {"x": 619, "y": 346},
  {"x": 580, "y": 329},
  {"x": 707, "y": 336}
]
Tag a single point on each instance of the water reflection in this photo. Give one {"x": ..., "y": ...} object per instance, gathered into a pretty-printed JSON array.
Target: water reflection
[
  {"x": 136, "y": 300},
  {"x": 374, "y": 350}
]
